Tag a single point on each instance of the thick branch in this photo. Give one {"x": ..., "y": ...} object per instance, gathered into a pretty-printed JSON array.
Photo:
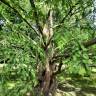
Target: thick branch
[
  {"x": 85, "y": 44},
  {"x": 90, "y": 42}
]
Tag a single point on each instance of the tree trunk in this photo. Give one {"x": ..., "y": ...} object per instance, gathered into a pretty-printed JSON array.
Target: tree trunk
[
  {"x": 47, "y": 85},
  {"x": 47, "y": 79}
]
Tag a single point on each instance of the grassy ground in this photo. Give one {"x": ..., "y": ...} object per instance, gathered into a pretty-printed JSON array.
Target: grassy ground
[
  {"x": 68, "y": 85},
  {"x": 73, "y": 86}
]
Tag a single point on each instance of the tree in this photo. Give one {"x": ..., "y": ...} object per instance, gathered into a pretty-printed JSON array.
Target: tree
[{"x": 43, "y": 35}]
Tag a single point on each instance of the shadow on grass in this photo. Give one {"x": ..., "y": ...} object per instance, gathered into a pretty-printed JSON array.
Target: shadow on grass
[{"x": 81, "y": 87}]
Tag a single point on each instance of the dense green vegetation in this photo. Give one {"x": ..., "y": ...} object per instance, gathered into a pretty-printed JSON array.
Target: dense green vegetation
[{"x": 44, "y": 43}]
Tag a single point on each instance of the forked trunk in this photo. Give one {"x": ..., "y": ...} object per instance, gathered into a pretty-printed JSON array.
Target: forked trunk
[{"x": 47, "y": 79}]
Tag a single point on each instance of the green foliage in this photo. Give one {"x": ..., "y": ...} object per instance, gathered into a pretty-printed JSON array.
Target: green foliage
[{"x": 19, "y": 44}]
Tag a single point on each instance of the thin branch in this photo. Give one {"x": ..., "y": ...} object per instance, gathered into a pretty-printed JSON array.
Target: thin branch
[
  {"x": 60, "y": 65},
  {"x": 4, "y": 60},
  {"x": 16, "y": 11},
  {"x": 36, "y": 16},
  {"x": 69, "y": 13},
  {"x": 77, "y": 10},
  {"x": 37, "y": 20},
  {"x": 17, "y": 46},
  {"x": 67, "y": 55},
  {"x": 63, "y": 70}
]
